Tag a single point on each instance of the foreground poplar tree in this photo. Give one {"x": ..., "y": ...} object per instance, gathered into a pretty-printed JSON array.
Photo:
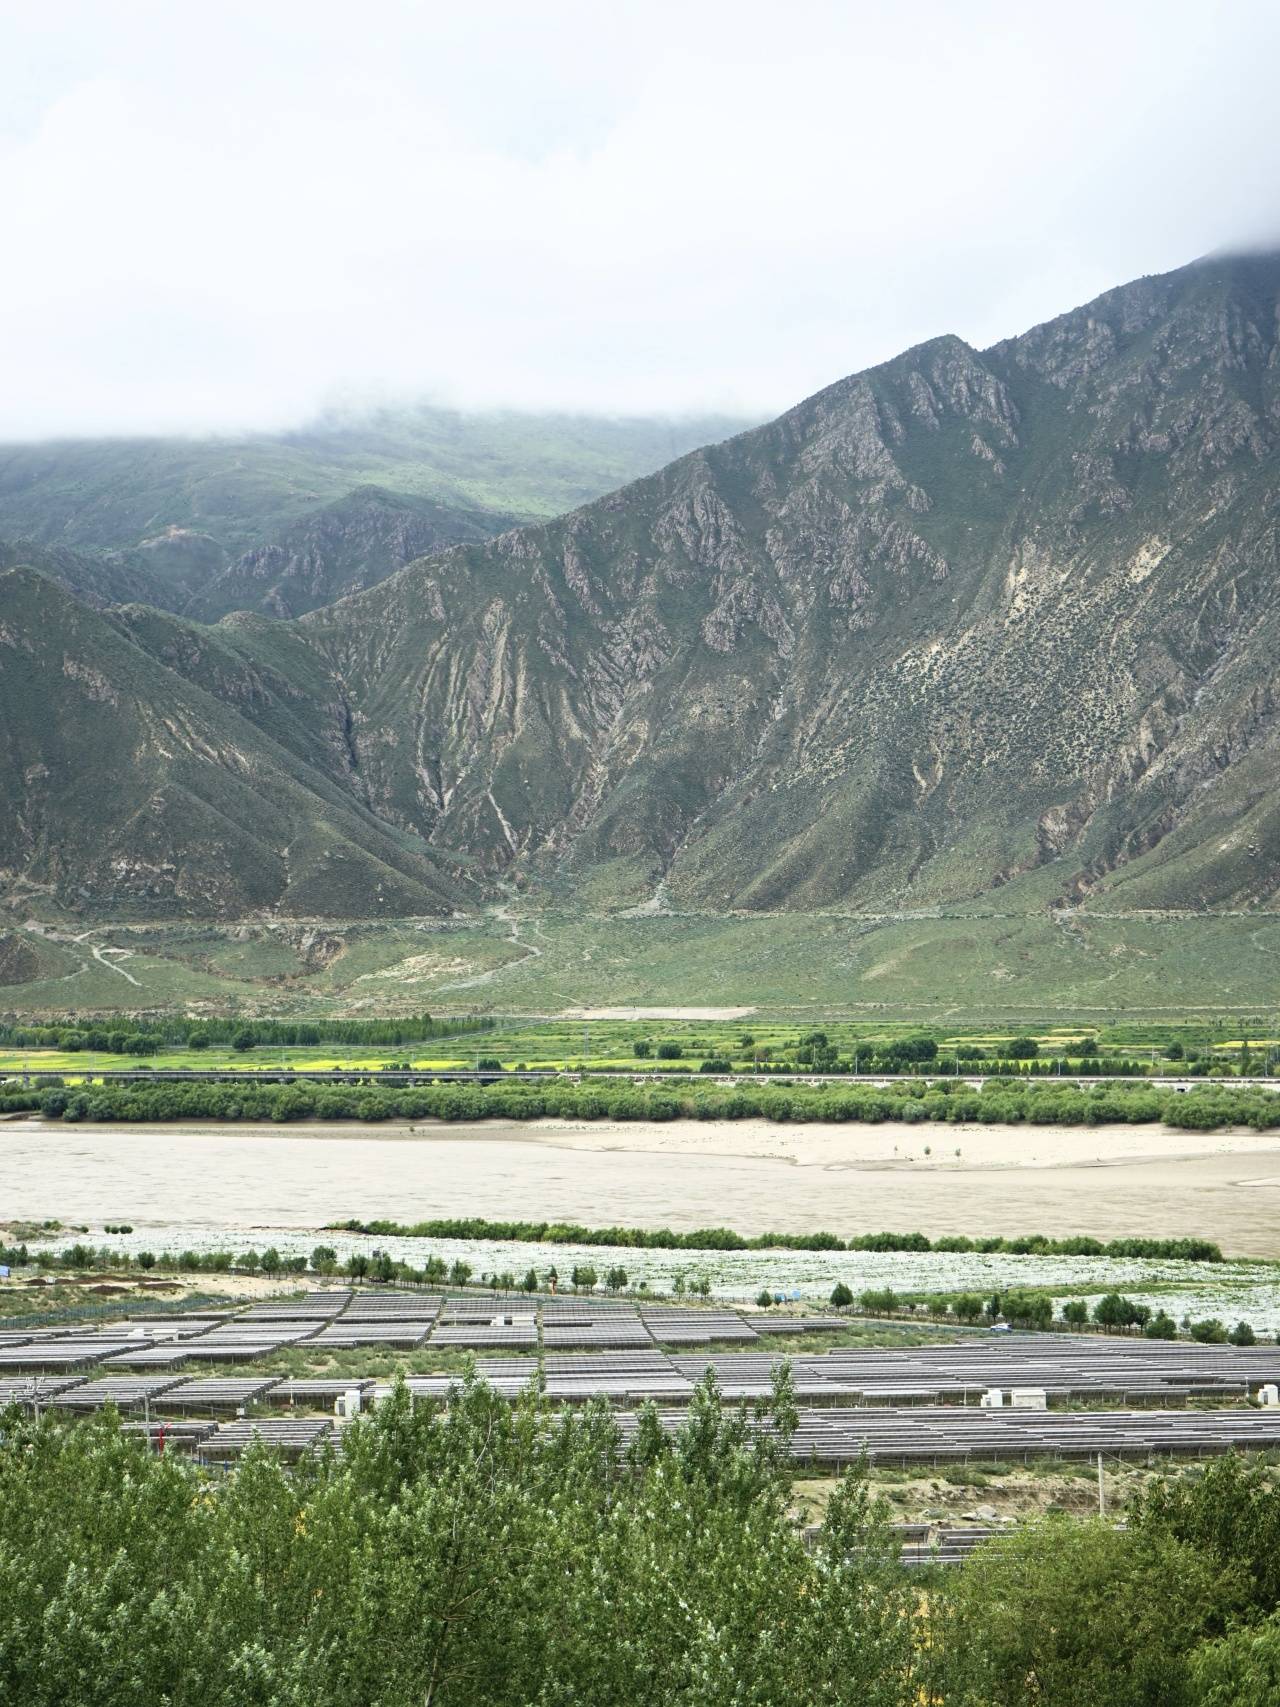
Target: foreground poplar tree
[{"x": 474, "y": 1552}]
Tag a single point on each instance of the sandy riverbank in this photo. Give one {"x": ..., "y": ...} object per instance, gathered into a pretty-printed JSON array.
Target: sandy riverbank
[
  {"x": 955, "y": 1148},
  {"x": 958, "y": 1148}
]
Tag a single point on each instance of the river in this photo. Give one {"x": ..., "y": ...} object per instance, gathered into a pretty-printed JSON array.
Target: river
[{"x": 750, "y": 1176}]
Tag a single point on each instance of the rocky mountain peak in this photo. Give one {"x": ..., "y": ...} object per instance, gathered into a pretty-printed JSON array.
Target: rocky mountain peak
[{"x": 967, "y": 621}]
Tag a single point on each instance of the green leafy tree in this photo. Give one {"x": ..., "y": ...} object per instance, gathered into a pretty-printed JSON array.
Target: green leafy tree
[
  {"x": 1209, "y": 1332},
  {"x": 1069, "y": 1611},
  {"x": 1161, "y": 1327},
  {"x": 1027, "y": 1309},
  {"x": 1114, "y": 1311},
  {"x": 1240, "y": 1670},
  {"x": 477, "y": 1553},
  {"x": 1229, "y": 1513}
]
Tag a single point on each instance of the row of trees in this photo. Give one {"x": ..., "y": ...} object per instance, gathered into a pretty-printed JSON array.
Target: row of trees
[
  {"x": 1019, "y": 1306},
  {"x": 154, "y": 1034},
  {"x": 999, "y": 1102},
  {"x": 486, "y": 1553},
  {"x": 1030, "y": 1308},
  {"x": 815, "y": 1051},
  {"x": 324, "y": 1261},
  {"x": 768, "y": 1062},
  {"x": 725, "y": 1239}
]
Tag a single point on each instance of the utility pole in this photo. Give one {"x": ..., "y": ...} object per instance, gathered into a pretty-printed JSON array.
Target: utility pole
[{"x": 1102, "y": 1491}]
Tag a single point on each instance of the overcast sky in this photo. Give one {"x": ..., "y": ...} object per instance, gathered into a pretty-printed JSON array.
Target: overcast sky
[{"x": 230, "y": 215}]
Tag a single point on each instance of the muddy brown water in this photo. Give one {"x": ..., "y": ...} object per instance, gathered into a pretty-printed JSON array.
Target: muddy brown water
[{"x": 305, "y": 1176}]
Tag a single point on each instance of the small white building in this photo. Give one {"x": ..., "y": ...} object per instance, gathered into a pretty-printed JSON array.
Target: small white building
[{"x": 1029, "y": 1399}]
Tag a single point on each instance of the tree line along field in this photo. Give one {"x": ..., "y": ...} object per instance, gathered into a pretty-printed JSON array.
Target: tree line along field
[
  {"x": 1228, "y": 1045},
  {"x": 910, "y": 1101}
]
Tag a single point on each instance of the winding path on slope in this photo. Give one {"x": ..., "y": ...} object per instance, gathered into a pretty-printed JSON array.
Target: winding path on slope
[{"x": 532, "y": 952}]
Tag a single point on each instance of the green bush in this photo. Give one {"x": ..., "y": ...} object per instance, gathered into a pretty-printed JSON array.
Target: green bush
[
  {"x": 1161, "y": 1327},
  {"x": 1209, "y": 1332}
]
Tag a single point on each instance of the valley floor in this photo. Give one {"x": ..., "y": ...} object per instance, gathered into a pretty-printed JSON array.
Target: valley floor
[{"x": 1005, "y": 966}]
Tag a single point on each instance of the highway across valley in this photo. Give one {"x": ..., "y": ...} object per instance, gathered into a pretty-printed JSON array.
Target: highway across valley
[{"x": 472, "y": 1075}]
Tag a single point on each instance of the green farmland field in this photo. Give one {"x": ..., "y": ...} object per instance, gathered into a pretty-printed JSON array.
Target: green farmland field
[
  {"x": 1047, "y": 971},
  {"x": 609, "y": 1044}
]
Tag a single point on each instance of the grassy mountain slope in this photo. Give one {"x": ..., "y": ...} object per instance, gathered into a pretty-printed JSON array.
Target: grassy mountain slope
[
  {"x": 126, "y": 785},
  {"x": 1021, "y": 970},
  {"x": 99, "y": 578},
  {"x": 969, "y": 622},
  {"x": 284, "y": 523},
  {"x": 342, "y": 548},
  {"x": 243, "y": 492}
]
